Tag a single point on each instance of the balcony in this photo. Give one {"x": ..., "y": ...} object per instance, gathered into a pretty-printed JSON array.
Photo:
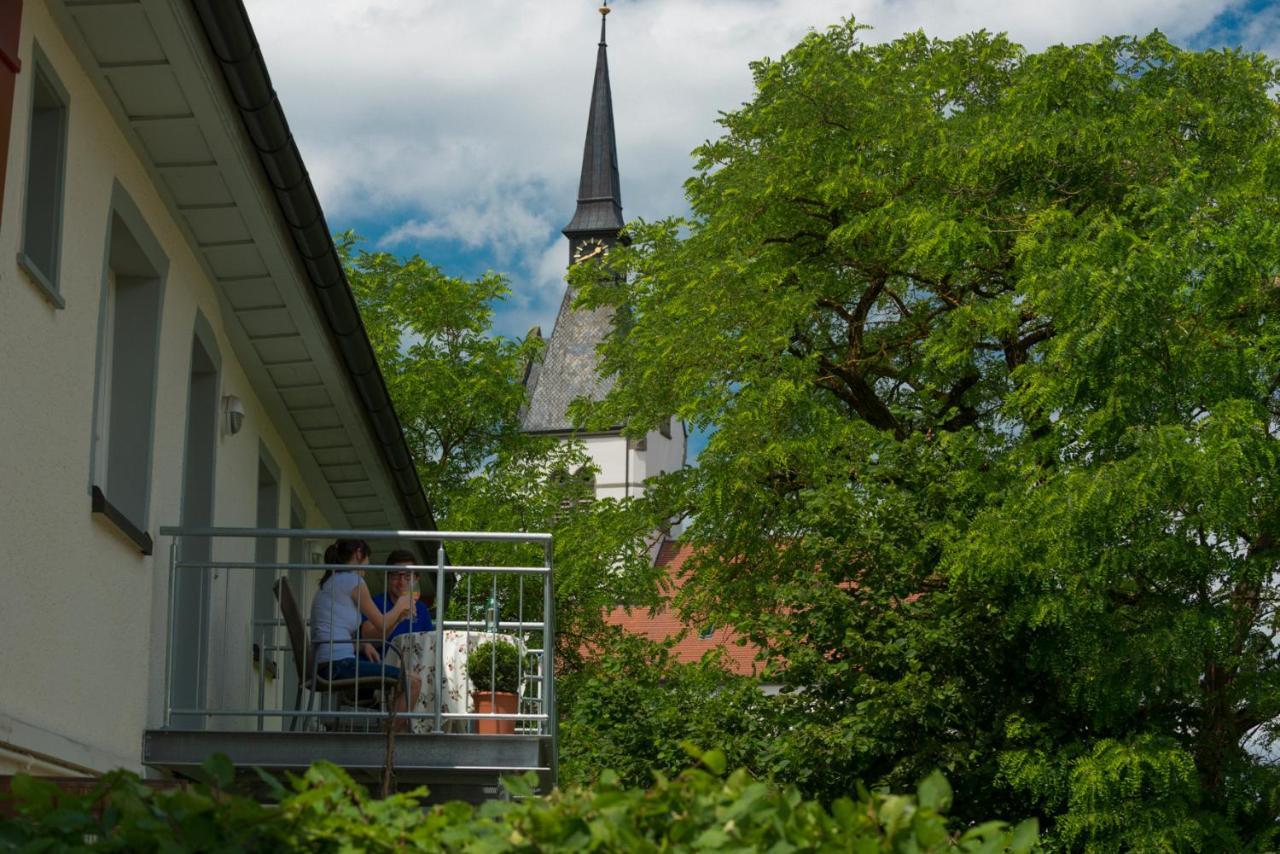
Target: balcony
[{"x": 241, "y": 673}]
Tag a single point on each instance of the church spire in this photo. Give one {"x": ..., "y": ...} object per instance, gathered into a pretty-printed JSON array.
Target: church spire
[{"x": 599, "y": 209}]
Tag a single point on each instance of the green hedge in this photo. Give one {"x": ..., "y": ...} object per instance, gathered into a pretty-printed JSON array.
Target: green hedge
[{"x": 324, "y": 810}]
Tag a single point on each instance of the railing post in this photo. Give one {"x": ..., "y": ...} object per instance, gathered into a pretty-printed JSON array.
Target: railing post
[
  {"x": 521, "y": 703},
  {"x": 549, "y": 663},
  {"x": 168, "y": 664},
  {"x": 439, "y": 637},
  {"x": 202, "y": 642},
  {"x": 260, "y": 641}
]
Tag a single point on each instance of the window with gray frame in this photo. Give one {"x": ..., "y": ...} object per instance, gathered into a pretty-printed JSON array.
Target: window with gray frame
[
  {"x": 128, "y": 341},
  {"x": 46, "y": 166}
]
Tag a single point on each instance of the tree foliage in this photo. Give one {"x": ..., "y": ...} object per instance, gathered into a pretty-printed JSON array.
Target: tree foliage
[
  {"x": 324, "y": 810},
  {"x": 456, "y": 386},
  {"x": 988, "y": 340},
  {"x": 633, "y": 706}
]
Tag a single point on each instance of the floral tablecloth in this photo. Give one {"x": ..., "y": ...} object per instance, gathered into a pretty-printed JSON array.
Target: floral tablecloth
[{"x": 418, "y": 655}]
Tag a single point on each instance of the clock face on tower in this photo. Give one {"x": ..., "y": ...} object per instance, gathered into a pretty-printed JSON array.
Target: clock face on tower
[{"x": 592, "y": 247}]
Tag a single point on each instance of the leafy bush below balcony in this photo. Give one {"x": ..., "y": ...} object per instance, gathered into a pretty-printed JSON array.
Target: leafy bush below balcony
[{"x": 324, "y": 810}]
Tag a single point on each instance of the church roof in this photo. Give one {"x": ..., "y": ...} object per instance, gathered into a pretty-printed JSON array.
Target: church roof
[
  {"x": 568, "y": 369},
  {"x": 599, "y": 190}
]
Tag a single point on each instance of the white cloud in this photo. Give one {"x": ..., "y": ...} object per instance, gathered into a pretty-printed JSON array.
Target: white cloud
[
  {"x": 537, "y": 293},
  {"x": 506, "y": 226},
  {"x": 548, "y": 272},
  {"x": 465, "y": 120}
]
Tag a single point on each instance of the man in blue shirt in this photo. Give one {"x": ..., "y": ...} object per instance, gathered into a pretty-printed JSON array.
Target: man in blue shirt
[{"x": 399, "y": 582}]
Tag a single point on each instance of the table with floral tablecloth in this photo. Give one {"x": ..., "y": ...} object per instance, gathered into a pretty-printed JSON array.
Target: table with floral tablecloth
[{"x": 417, "y": 655}]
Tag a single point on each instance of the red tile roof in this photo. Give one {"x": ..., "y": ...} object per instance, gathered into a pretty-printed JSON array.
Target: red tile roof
[{"x": 664, "y": 623}]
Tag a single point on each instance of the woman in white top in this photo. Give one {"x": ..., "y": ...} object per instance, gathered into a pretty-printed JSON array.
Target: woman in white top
[{"x": 340, "y": 606}]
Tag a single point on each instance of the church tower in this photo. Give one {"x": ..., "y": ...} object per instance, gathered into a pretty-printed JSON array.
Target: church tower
[{"x": 569, "y": 366}]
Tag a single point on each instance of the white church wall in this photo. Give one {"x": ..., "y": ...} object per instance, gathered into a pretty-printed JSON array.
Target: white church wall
[
  {"x": 663, "y": 454},
  {"x": 624, "y": 467},
  {"x": 613, "y": 463}
]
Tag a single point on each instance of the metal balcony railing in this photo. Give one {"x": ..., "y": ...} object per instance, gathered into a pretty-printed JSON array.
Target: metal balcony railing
[{"x": 233, "y": 661}]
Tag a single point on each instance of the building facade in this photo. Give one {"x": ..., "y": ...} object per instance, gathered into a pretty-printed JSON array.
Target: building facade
[{"x": 180, "y": 347}]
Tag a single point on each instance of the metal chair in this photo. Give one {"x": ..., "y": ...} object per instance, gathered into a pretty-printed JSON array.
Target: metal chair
[{"x": 346, "y": 689}]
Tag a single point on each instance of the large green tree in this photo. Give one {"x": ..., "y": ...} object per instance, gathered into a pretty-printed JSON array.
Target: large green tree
[{"x": 988, "y": 340}]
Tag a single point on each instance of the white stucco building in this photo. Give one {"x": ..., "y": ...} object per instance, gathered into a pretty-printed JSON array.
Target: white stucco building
[{"x": 163, "y": 262}]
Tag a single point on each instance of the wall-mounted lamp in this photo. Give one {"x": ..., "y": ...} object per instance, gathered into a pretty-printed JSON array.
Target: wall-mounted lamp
[{"x": 233, "y": 407}]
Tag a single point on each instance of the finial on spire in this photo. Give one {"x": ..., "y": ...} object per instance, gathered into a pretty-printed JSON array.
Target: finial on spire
[{"x": 604, "y": 14}]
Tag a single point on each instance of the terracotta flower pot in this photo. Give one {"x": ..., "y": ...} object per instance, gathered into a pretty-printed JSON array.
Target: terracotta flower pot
[{"x": 500, "y": 702}]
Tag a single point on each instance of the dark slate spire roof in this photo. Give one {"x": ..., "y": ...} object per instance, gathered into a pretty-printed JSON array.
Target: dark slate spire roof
[
  {"x": 569, "y": 367},
  {"x": 599, "y": 190}
]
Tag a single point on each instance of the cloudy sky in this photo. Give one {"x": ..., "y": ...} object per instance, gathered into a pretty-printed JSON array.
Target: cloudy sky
[{"x": 454, "y": 128}]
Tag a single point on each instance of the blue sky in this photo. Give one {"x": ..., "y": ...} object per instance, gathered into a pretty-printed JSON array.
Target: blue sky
[{"x": 454, "y": 129}]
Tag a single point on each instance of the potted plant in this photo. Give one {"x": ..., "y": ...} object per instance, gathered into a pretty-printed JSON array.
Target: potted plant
[{"x": 494, "y": 669}]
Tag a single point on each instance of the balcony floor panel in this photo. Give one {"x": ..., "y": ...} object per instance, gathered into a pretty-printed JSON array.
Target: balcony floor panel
[{"x": 453, "y": 766}]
